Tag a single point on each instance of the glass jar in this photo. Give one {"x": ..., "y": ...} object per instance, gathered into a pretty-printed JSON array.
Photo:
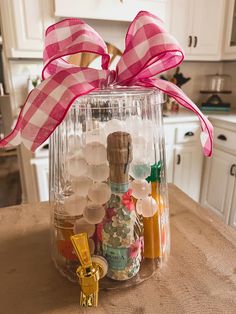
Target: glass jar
[
  {"x": 217, "y": 83},
  {"x": 107, "y": 179}
]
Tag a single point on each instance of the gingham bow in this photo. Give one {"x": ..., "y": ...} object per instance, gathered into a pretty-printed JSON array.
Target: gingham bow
[{"x": 149, "y": 50}]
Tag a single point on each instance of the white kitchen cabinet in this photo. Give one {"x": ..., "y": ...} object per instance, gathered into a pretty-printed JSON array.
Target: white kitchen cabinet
[
  {"x": 184, "y": 156},
  {"x": 181, "y": 17},
  {"x": 23, "y": 25},
  {"x": 229, "y": 44},
  {"x": 188, "y": 169},
  {"x": 42, "y": 172},
  {"x": 115, "y": 10},
  {"x": 198, "y": 25},
  {"x": 232, "y": 220},
  {"x": 218, "y": 184}
]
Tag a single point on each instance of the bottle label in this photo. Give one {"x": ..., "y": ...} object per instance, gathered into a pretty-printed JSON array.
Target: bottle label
[
  {"x": 117, "y": 258},
  {"x": 119, "y": 187}
]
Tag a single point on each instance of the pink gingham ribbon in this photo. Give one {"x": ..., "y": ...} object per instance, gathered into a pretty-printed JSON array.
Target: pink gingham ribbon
[{"x": 149, "y": 50}]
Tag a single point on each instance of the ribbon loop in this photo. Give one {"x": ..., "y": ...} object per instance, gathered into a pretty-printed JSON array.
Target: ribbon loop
[
  {"x": 68, "y": 37},
  {"x": 149, "y": 50}
]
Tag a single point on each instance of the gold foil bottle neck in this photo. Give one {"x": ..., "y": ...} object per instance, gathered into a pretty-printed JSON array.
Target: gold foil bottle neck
[
  {"x": 81, "y": 247},
  {"x": 88, "y": 273}
]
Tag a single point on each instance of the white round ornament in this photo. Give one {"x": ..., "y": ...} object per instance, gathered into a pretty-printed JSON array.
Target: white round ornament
[
  {"x": 134, "y": 125},
  {"x": 95, "y": 153},
  {"x": 140, "y": 170},
  {"x": 140, "y": 188},
  {"x": 149, "y": 206},
  {"x": 81, "y": 185},
  {"x": 77, "y": 166},
  {"x": 114, "y": 125},
  {"x": 99, "y": 193},
  {"x": 95, "y": 135},
  {"x": 94, "y": 213},
  {"x": 98, "y": 173},
  {"x": 74, "y": 143},
  {"x": 82, "y": 226},
  {"x": 75, "y": 204}
]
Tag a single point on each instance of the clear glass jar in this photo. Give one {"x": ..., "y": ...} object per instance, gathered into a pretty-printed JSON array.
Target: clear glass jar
[{"x": 107, "y": 178}]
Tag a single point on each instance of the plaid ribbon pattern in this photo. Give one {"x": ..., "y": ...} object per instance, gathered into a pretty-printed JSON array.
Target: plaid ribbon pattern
[{"x": 149, "y": 50}]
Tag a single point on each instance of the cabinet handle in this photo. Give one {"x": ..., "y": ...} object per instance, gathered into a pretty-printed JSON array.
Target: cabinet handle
[
  {"x": 232, "y": 172},
  {"x": 178, "y": 159},
  {"x": 190, "y": 40},
  {"x": 195, "y": 42},
  {"x": 222, "y": 137},
  {"x": 190, "y": 133}
]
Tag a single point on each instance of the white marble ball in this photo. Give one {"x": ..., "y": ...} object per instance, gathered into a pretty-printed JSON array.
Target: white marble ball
[
  {"x": 75, "y": 204},
  {"x": 139, "y": 170},
  {"x": 74, "y": 143},
  {"x": 99, "y": 193},
  {"x": 77, "y": 166},
  {"x": 94, "y": 213},
  {"x": 82, "y": 226},
  {"x": 98, "y": 173},
  {"x": 148, "y": 206},
  {"x": 95, "y": 153},
  {"x": 140, "y": 188},
  {"x": 114, "y": 125},
  {"x": 81, "y": 185}
]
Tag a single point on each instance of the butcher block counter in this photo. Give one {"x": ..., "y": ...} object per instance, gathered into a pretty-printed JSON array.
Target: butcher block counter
[{"x": 200, "y": 276}]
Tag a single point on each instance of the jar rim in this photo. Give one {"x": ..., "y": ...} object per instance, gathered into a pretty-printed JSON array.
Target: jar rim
[{"x": 118, "y": 92}]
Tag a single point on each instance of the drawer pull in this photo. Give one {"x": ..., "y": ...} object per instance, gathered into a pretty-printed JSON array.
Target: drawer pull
[
  {"x": 190, "y": 41},
  {"x": 232, "y": 172},
  {"x": 222, "y": 137},
  {"x": 189, "y": 133},
  {"x": 178, "y": 159}
]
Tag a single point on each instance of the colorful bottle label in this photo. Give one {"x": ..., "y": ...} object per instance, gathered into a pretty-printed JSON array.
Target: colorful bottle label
[{"x": 117, "y": 258}]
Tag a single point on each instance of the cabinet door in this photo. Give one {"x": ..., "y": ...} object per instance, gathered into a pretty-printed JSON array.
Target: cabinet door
[
  {"x": 24, "y": 24},
  {"x": 181, "y": 22},
  {"x": 42, "y": 173},
  {"x": 207, "y": 29},
  {"x": 188, "y": 169},
  {"x": 218, "y": 184},
  {"x": 115, "y": 10},
  {"x": 233, "y": 209},
  {"x": 229, "y": 51}
]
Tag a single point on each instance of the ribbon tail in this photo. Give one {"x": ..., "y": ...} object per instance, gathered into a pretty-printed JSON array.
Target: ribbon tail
[
  {"x": 175, "y": 92},
  {"x": 47, "y": 105}
]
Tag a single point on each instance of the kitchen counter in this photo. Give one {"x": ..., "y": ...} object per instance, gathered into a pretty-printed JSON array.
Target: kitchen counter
[
  {"x": 200, "y": 276},
  {"x": 185, "y": 115}
]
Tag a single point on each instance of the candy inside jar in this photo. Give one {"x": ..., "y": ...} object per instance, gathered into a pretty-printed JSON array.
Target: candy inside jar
[{"x": 107, "y": 179}]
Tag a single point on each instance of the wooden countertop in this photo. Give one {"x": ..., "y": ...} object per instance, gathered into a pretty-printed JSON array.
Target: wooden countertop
[{"x": 200, "y": 276}]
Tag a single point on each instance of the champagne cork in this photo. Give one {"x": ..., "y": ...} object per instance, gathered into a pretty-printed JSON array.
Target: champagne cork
[{"x": 119, "y": 156}]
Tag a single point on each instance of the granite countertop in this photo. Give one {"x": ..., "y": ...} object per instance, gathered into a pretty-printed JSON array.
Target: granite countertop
[{"x": 199, "y": 277}]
